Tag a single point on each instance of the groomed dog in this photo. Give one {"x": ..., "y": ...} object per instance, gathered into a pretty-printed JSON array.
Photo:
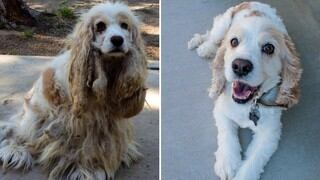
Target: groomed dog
[
  {"x": 74, "y": 121},
  {"x": 256, "y": 71}
]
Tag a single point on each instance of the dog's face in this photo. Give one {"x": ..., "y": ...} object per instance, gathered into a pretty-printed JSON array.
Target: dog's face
[
  {"x": 112, "y": 34},
  {"x": 106, "y": 32},
  {"x": 114, "y": 30},
  {"x": 252, "y": 58},
  {"x": 113, "y": 27}
]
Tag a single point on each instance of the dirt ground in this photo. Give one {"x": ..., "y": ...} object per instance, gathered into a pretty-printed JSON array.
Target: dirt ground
[{"x": 48, "y": 38}]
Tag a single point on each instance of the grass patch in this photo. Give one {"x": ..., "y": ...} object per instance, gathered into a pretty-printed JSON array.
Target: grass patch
[
  {"x": 28, "y": 33},
  {"x": 65, "y": 12}
]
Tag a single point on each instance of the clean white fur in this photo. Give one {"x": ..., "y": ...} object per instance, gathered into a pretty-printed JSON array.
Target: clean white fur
[{"x": 228, "y": 114}]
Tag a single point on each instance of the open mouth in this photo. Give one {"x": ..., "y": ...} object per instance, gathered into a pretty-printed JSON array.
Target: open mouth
[{"x": 242, "y": 92}]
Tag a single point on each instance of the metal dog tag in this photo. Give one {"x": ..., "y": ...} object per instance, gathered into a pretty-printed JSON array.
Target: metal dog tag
[{"x": 254, "y": 114}]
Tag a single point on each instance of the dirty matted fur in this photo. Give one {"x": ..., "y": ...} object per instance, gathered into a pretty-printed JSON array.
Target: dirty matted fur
[{"x": 74, "y": 121}]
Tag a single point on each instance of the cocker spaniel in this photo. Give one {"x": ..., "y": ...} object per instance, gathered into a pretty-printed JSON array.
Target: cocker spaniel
[
  {"x": 256, "y": 72},
  {"x": 74, "y": 121}
]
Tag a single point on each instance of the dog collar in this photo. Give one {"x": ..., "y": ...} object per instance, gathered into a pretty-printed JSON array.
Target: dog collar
[{"x": 266, "y": 99}]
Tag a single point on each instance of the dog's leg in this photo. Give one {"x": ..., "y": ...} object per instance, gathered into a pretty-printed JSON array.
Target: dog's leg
[
  {"x": 260, "y": 150},
  {"x": 13, "y": 152},
  {"x": 132, "y": 154},
  {"x": 15, "y": 156},
  {"x": 70, "y": 170},
  {"x": 228, "y": 157}
]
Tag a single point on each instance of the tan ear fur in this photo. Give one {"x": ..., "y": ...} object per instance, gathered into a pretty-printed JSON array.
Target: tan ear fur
[
  {"x": 80, "y": 65},
  {"x": 291, "y": 73},
  {"x": 218, "y": 79},
  {"x": 136, "y": 37}
]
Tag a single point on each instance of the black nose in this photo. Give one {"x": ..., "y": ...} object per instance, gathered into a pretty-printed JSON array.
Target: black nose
[
  {"x": 117, "y": 41},
  {"x": 242, "y": 67}
]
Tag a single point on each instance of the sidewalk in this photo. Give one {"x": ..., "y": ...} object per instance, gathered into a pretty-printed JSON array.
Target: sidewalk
[
  {"x": 17, "y": 74},
  {"x": 188, "y": 129}
]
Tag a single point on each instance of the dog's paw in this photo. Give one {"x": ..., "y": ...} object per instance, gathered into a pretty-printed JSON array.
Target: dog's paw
[
  {"x": 195, "y": 41},
  {"x": 207, "y": 50},
  {"x": 77, "y": 173},
  {"x": 226, "y": 168},
  {"x": 245, "y": 173},
  {"x": 132, "y": 155},
  {"x": 81, "y": 174},
  {"x": 15, "y": 157}
]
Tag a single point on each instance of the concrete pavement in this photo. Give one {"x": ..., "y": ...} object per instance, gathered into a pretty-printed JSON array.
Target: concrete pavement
[
  {"x": 188, "y": 130},
  {"x": 17, "y": 73}
]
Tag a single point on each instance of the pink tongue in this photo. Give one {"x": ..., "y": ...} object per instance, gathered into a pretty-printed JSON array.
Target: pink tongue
[{"x": 241, "y": 89}]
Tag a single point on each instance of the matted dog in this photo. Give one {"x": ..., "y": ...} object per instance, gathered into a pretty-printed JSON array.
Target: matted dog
[
  {"x": 255, "y": 75},
  {"x": 74, "y": 121}
]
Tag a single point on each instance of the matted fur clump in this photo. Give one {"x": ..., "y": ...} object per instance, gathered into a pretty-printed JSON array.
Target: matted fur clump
[{"x": 74, "y": 121}]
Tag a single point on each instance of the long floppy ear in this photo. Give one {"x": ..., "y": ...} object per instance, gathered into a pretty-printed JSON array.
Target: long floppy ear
[
  {"x": 136, "y": 35},
  {"x": 207, "y": 44},
  {"x": 80, "y": 64},
  {"x": 291, "y": 73},
  {"x": 218, "y": 79}
]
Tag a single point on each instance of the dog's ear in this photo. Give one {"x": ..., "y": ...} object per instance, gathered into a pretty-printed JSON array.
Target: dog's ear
[
  {"x": 291, "y": 73},
  {"x": 136, "y": 35},
  {"x": 79, "y": 64},
  {"x": 222, "y": 23},
  {"x": 218, "y": 78},
  {"x": 207, "y": 44}
]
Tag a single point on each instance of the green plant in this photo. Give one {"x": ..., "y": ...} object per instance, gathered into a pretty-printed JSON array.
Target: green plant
[
  {"x": 65, "y": 12},
  {"x": 28, "y": 33}
]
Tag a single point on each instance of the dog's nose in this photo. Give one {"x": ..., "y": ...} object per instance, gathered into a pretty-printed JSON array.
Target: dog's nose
[
  {"x": 117, "y": 41},
  {"x": 242, "y": 67}
]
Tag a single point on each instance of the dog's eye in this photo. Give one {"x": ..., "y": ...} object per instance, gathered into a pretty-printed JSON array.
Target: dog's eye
[
  {"x": 101, "y": 26},
  {"x": 124, "y": 25},
  {"x": 268, "y": 49},
  {"x": 234, "y": 42}
]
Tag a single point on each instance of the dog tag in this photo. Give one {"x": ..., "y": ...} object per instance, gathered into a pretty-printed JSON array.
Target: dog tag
[{"x": 254, "y": 114}]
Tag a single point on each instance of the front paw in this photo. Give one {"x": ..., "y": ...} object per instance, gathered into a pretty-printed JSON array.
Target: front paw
[
  {"x": 226, "y": 167},
  {"x": 79, "y": 173},
  {"x": 14, "y": 156},
  {"x": 244, "y": 174}
]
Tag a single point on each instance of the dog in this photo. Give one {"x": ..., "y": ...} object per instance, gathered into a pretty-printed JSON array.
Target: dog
[
  {"x": 255, "y": 75},
  {"x": 75, "y": 120}
]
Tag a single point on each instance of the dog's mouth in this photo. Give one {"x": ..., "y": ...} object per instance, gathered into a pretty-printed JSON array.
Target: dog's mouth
[
  {"x": 242, "y": 92},
  {"x": 117, "y": 51}
]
